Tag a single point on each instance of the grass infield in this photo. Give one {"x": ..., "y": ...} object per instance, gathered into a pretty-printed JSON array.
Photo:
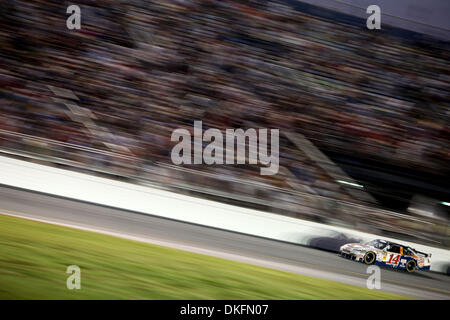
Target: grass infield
[{"x": 34, "y": 257}]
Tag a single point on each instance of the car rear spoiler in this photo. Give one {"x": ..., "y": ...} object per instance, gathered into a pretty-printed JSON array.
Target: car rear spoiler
[{"x": 423, "y": 254}]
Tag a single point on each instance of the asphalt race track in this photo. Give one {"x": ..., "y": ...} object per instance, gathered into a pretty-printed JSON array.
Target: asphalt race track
[{"x": 250, "y": 249}]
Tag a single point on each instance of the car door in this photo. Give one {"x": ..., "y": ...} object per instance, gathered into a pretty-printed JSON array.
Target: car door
[{"x": 394, "y": 254}]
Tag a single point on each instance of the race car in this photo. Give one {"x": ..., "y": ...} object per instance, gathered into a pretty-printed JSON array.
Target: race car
[{"x": 386, "y": 253}]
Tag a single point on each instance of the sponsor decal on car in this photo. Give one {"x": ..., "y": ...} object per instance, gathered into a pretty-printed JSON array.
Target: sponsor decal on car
[{"x": 421, "y": 262}]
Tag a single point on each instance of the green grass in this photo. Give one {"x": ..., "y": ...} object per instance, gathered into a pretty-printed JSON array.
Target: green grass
[{"x": 34, "y": 257}]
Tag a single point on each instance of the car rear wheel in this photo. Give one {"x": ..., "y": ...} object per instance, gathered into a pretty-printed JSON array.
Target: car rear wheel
[
  {"x": 369, "y": 258},
  {"x": 411, "y": 266}
]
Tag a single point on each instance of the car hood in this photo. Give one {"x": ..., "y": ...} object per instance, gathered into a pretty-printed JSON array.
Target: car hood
[{"x": 355, "y": 247}]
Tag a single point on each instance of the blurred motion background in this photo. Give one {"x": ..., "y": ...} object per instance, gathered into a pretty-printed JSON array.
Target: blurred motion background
[{"x": 363, "y": 114}]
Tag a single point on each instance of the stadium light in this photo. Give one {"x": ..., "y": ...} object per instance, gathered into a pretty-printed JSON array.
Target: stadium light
[
  {"x": 445, "y": 203},
  {"x": 350, "y": 183}
]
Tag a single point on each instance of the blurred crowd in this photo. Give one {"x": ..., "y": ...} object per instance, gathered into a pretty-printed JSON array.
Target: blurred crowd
[{"x": 140, "y": 69}]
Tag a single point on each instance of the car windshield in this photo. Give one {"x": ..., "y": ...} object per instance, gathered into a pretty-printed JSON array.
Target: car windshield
[{"x": 379, "y": 244}]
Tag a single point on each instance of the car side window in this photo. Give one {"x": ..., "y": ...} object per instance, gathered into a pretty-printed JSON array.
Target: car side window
[{"x": 394, "y": 249}]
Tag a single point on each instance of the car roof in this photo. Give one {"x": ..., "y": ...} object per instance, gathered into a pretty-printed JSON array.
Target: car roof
[
  {"x": 390, "y": 242},
  {"x": 396, "y": 244}
]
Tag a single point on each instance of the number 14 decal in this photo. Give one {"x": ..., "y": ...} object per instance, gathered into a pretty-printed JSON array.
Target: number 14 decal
[{"x": 393, "y": 260}]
